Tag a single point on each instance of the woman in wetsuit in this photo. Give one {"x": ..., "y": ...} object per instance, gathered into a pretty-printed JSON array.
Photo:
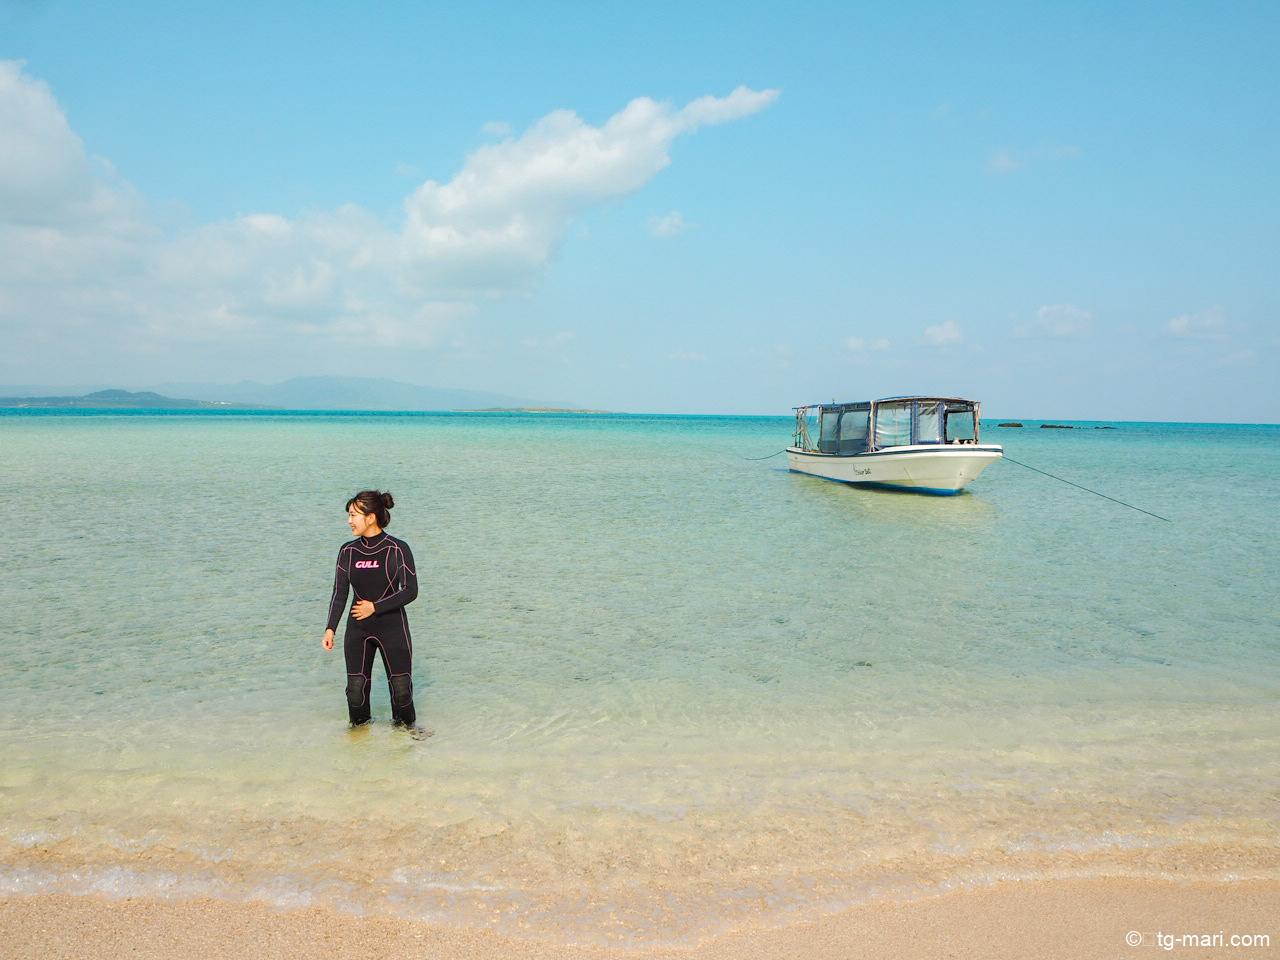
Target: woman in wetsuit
[{"x": 380, "y": 569}]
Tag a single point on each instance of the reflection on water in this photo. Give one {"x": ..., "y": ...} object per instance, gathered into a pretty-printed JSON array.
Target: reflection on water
[{"x": 672, "y": 689}]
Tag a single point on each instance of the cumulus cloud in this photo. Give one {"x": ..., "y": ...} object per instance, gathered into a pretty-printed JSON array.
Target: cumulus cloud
[
  {"x": 667, "y": 225},
  {"x": 709, "y": 110},
  {"x": 46, "y": 178},
  {"x": 79, "y": 253},
  {"x": 499, "y": 219},
  {"x": 1206, "y": 325},
  {"x": 858, "y": 344},
  {"x": 942, "y": 334},
  {"x": 1058, "y": 320}
]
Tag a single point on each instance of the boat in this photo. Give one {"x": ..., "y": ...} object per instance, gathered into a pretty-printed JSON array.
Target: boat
[{"x": 921, "y": 444}]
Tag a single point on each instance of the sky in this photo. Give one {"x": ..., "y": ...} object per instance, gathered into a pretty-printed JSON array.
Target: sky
[{"x": 1061, "y": 210}]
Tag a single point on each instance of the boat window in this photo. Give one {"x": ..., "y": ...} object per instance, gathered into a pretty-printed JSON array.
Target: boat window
[
  {"x": 829, "y": 440},
  {"x": 928, "y": 421},
  {"x": 959, "y": 424},
  {"x": 893, "y": 424},
  {"x": 853, "y": 431}
]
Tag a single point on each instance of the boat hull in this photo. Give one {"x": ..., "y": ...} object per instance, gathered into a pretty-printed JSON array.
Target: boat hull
[{"x": 933, "y": 469}]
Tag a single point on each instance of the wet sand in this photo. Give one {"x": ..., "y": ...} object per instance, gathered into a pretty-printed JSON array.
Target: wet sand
[{"x": 1075, "y": 919}]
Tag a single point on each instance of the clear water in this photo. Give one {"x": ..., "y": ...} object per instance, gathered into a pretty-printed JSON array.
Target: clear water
[{"x": 673, "y": 691}]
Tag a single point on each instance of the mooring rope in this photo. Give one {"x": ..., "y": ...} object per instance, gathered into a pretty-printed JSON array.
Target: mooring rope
[
  {"x": 1087, "y": 490},
  {"x": 1039, "y": 471}
]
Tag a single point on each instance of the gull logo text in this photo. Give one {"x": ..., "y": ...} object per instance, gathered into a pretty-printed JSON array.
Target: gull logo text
[{"x": 366, "y": 564}]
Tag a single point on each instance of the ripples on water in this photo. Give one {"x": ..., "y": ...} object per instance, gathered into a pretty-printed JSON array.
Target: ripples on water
[{"x": 673, "y": 690}]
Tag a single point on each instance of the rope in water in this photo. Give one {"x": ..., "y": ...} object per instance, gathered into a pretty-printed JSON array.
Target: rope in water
[
  {"x": 1087, "y": 490},
  {"x": 1037, "y": 470}
]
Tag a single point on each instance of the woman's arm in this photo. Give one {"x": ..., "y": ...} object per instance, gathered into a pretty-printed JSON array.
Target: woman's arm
[
  {"x": 406, "y": 582},
  {"x": 341, "y": 587}
]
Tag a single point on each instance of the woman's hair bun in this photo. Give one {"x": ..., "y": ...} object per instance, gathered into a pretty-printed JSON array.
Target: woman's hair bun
[{"x": 374, "y": 503}]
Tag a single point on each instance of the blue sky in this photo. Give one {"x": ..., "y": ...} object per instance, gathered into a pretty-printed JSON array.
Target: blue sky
[{"x": 1062, "y": 210}]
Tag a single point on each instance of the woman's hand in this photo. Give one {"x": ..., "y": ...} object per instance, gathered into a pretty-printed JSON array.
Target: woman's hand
[
  {"x": 328, "y": 639},
  {"x": 362, "y": 609}
]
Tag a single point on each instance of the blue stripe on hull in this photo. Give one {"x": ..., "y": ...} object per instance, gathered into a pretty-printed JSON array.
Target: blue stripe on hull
[
  {"x": 931, "y": 491},
  {"x": 871, "y": 485}
]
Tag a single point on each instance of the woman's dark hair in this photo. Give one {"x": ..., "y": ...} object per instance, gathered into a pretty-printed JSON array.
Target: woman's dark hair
[{"x": 376, "y": 502}]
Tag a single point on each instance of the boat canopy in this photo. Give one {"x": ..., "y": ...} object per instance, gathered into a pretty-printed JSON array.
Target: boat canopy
[{"x": 846, "y": 429}]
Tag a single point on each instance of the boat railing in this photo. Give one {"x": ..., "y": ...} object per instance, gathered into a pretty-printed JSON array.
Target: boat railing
[{"x": 801, "y": 438}]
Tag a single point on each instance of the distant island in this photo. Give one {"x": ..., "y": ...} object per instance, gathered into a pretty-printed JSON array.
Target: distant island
[
  {"x": 1051, "y": 426},
  {"x": 149, "y": 400},
  {"x": 354, "y": 393},
  {"x": 299, "y": 393},
  {"x": 122, "y": 399},
  {"x": 532, "y": 410}
]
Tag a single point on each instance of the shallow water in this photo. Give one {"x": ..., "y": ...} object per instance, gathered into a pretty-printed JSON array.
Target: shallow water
[{"x": 672, "y": 690}]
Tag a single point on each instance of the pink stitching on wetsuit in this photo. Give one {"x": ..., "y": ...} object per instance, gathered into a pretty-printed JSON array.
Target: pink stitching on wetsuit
[
  {"x": 404, "y": 564},
  {"x": 333, "y": 598}
]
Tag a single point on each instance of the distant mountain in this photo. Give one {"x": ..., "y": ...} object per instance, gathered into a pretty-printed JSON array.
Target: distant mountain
[
  {"x": 300, "y": 393},
  {"x": 350, "y": 393},
  {"x": 113, "y": 399}
]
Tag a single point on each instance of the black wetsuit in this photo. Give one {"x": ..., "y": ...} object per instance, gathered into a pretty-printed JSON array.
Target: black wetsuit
[{"x": 380, "y": 569}]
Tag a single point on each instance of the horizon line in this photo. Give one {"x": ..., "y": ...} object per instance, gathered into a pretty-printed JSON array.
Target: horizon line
[{"x": 534, "y": 411}]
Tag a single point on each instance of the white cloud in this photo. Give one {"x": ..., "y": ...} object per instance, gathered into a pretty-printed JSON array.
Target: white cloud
[
  {"x": 558, "y": 339},
  {"x": 46, "y": 178},
  {"x": 687, "y": 356},
  {"x": 497, "y": 128},
  {"x": 667, "y": 225},
  {"x": 708, "y": 110},
  {"x": 1238, "y": 357},
  {"x": 1058, "y": 320},
  {"x": 1003, "y": 162},
  {"x": 942, "y": 334},
  {"x": 81, "y": 258},
  {"x": 1206, "y": 325},
  {"x": 858, "y": 344},
  {"x": 500, "y": 218}
]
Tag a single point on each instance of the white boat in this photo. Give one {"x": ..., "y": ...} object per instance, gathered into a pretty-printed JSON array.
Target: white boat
[{"x": 921, "y": 444}]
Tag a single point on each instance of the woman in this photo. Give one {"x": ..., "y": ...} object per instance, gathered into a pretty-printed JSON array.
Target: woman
[{"x": 380, "y": 569}]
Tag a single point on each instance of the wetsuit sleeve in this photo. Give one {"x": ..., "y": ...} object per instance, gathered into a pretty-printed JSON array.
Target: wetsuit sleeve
[
  {"x": 341, "y": 588},
  {"x": 406, "y": 582}
]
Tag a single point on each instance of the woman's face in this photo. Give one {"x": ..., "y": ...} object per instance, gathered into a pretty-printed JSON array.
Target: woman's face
[{"x": 360, "y": 523}]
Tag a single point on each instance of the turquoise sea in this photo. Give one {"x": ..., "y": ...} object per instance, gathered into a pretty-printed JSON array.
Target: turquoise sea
[{"x": 673, "y": 690}]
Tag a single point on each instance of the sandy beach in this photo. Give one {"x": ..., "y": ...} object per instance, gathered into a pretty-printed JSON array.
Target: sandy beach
[{"x": 1078, "y": 919}]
